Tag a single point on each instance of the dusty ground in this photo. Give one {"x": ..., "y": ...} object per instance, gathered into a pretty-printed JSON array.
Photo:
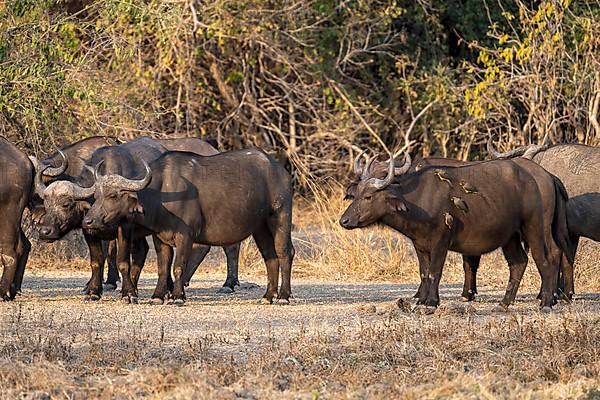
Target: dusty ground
[
  {"x": 343, "y": 336},
  {"x": 336, "y": 340}
]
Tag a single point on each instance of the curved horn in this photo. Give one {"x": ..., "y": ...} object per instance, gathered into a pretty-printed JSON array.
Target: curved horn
[
  {"x": 383, "y": 183},
  {"x": 54, "y": 172},
  {"x": 533, "y": 150},
  {"x": 357, "y": 168},
  {"x": 81, "y": 193},
  {"x": 366, "y": 173},
  {"x": 519, "y": 151},
  {"x": 132, "y": 185},
  {"x": 97, "y": 174},
  {"x": 403, "y": 169},
  {"x": 40, "y": 186}
]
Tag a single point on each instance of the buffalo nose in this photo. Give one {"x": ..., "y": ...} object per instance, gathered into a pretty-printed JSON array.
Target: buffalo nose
[
  {"x": 88, "y": 221},
  {"x": 344, "y": 221},
  {"x": 45, "y": 230}
]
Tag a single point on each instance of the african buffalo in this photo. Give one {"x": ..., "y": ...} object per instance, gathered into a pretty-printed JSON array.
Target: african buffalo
[
  {"x": 16, "y": 183},
  {"x": 204, "y": 148},
  {"x": 470, "y": 209},
  {"x": 217, "y": 200},
  {"x": 67, "y": 204},
  {"x": 554, "y": 200},
  {"x": 69, "y": 164},
  {"x": 578, "y": 167}
]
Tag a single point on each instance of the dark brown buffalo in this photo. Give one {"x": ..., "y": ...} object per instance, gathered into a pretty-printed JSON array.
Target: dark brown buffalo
[
  {"x": 68, "y": 164},
  {"x": 232, "y": 252},
  {"x": 554, "y": 200},
  {"x": 67, "y": 201},
  {"x": 16, "y": 183},
  {"x": 66, "y": 204},
  {"x": 578, "y": 167},
  {"x": 219, "y": 200},
  {"x": 471, "y": 209}
]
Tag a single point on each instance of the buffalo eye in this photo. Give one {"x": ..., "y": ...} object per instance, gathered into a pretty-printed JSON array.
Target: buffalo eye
[
  {"x": 66, "y": 205},
  {"x": 348, "y": 197},
  {"x": 112, "y": 196}
]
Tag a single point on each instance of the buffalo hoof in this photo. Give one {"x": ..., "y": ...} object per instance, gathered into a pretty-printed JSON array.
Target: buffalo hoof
[
  {"x": 546, "y": 309},
  {"x": 501, "y": 307},
  {"x": 468, "y": 296},
  {"x": 129, "y": 299},
  {"x": 179, "y": 302},
  {"x": 109, "y": 286},
  {"x": 92, "y": 297},
  {"x": 225, "y": 290},
  {"x": 157, "y": 301},
  {"x": 283, "y": 302},
  {"x": 85, "y": 290},
  {"x": 264, "y": 300}
]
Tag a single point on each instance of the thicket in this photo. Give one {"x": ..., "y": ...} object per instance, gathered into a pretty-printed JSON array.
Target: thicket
[{"x": 318, "y": 79}]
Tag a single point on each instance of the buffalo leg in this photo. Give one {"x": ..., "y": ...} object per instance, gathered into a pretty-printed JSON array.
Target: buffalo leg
[
  {"x": 128, "y": 292},
  {"x": 184, "y": 248},
  {"x": 436, "y": 265},
  {"x": 517, "y": 262},
  {"x": 568, "y": 287},
  {"x": 281, "y": 231},
  {"x": 199, "y": 252},
  {"x": 233, "y": 256},
  {"x": 470, "y": 266},
  {"x": 113, "y": 271},
  {"x": 139, "y": 252},
  {"x": 25, "y": 248},
  {"x": 424, "y": 260},
  {"x": 9, "y": 260},
  {"x": 264, "y": 242},
  {"x": 164, "y": 256},
  {"x": 94, "y": 287},
  {"x": 548, "y": 271}
]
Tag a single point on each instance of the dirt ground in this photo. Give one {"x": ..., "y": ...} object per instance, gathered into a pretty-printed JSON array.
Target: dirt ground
[
  {"x": 345, "y": 335},
  {"x": 335, "y": 340}
]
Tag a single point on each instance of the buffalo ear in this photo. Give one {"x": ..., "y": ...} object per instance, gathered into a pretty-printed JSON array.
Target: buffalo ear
[
  {"x": 85, "y": 206},
  {"x": 396, "y": 204},
  {"x": 351, "y": 191},
  {"x": 134, "y": 204}
]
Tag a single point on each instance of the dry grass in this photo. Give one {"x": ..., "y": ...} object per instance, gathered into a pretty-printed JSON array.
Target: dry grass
[{"x": 344, "y": 336}]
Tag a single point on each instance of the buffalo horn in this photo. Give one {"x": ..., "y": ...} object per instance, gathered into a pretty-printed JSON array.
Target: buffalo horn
[
  {"x": 40, "y": 186},
  {"x": 132, "y": 185},
  {"x": 532, "y": 150},
  {"x": 357, "y": 167},
  {"x": 403, "y": 169},
  {"x": 54, "y": 172},
  {"x": 383, "y": 183},
  {"x": 81, "y": 193},
  {"x": 366, "y": 172},
  {"x": 519, "y": 151}
]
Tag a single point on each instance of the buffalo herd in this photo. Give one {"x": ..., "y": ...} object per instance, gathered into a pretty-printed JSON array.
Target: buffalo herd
[{"x": 188, "y": 197}]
